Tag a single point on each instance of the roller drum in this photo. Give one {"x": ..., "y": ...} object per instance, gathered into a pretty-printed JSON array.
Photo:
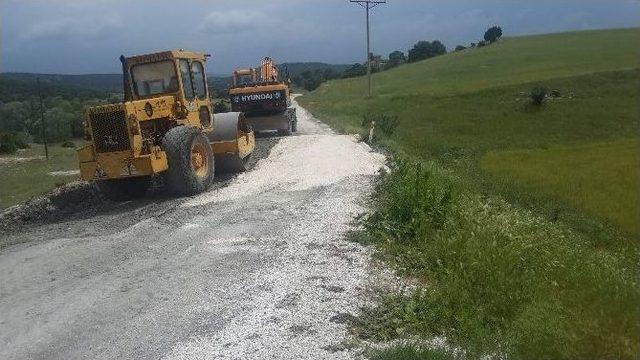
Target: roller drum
[{"x": 227, "y": 128}]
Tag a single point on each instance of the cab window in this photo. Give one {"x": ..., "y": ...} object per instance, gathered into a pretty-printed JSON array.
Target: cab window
[
  {"x": 154, "y": 78},
  {"x": 199, "y": 85},
  {"x": 186, "y": 79}
]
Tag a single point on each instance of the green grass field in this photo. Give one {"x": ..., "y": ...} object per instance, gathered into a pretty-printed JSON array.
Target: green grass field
[
  {"x": 458, "y": 107},
  {"x": 27, "y": 174},
  {"x": 524, "y": 219},
  {"x": 601, "y": 178}
]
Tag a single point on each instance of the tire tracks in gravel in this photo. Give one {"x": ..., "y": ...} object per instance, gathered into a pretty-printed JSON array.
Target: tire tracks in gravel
[{"x": 256, "y": 268}]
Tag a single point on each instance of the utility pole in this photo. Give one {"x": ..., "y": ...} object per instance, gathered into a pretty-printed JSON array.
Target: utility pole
[
  {"x": 368, "y": 5},
  {"x": 44, "y": 125}
]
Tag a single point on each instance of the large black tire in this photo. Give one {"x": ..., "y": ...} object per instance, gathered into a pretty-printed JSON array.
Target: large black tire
[
  {"x": 294, "y": 123},
  {"x": 185, "y": 177},
  {"x": 124, "y": 189},
  {"x": 287, "y": 131}
]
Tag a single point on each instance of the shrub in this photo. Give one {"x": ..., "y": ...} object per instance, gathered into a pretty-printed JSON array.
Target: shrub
[
  {"x": 7, "y": 143},
  {"x": 354, "y": 71},
  {"x": 412, "y": 201},
  {"x": 68, "y": 144},
  {"x": 387, "y": 124},
  {"x": 220, "y": 107},
  {"x": 312, "y": 83},
  {"x": 460, "y": 48},
  {"x": 23, "y": 139},
  {"x": 538, "y": 94},
  {"x": 396, "y": 58},
  {"x": 493, "y": 34},
  {"x": 424, "y": 50},
  {"x": 501, "y": 280},
  {"x": 406, "y": 352}
]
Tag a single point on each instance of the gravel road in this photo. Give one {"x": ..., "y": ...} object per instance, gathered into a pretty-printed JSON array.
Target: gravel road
[{"x": 254, "y": 269}]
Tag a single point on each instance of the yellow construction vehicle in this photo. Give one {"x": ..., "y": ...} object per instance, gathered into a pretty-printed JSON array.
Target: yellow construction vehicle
[
  {"x": 264, "y": 98},
  {"x": 164, "y": 126}
]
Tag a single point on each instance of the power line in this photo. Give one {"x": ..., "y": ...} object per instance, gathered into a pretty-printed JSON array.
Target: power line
[{"x": 368, "y": 5}]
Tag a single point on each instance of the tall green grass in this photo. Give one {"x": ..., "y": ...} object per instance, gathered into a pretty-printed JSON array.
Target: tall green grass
[
  {"x": 27, "y": 173},
  {"x": 498, "y": 280},
  {"x": 404, "y": 352},
  {"x": 459, "y": 129},
  {"x": 511, "y": 258},
  {"x": 602, "y": 178}
]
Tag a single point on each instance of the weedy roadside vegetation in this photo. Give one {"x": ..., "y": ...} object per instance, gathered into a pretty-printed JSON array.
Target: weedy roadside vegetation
[
  {"x": 30, "y": 164},
  {"x": 496, "y": 279},
  {"x": 387, "y": 124},
  {"x": 404, "y": 352},
  {"x": 520, "y": 223}
]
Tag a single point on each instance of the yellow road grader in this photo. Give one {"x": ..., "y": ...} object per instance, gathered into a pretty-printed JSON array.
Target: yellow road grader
[
  {"x": 265, "y": 98},
  {"x": 164, "y": 126}
]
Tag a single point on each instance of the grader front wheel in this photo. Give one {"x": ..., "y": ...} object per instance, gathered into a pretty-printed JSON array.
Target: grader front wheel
[{"x": 191, "y": 161}]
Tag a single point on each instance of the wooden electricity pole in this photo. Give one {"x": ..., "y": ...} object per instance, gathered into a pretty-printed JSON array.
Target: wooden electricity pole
[
  {"x": 44, "y": 125},
  {"x": 368, "y": 5}
]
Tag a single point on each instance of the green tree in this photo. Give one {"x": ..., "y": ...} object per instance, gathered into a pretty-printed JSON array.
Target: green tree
[
  {"x": 424, "y": 50},
  {"x": 355, "y": 70},
  {"x": 7, "y": 143},
  {"x": 59, "y": 124},
  {"x": 396, "y": 58},
  {"x": 493, "y": 34},
  {"x": 14, "y": 116}
]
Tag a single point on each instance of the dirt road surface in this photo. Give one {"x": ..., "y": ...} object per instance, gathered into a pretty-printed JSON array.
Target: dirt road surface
[{"x": 256, "y": 268}]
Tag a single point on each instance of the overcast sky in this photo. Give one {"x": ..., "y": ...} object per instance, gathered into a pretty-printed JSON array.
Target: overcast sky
[{"x": 83, "y": 36}]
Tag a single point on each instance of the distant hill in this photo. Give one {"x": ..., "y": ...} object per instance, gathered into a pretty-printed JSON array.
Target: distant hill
[
  {"x": 298, "y": 68},
  {"x": 24, "y": 88},
  {"x": 112, "y": 83},
  {"x": 99, "y": 82}
]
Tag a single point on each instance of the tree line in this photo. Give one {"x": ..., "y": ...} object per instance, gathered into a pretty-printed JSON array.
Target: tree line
[
  {"x": 63, "y": 108},
  {"x": 422, "y": 50}
]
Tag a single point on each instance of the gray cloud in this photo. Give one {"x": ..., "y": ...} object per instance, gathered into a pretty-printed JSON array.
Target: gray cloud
[
  {"x": 236, "y": 22},
  {"x": 73, "y": 36},
  {"x": 73, "y": 28}
]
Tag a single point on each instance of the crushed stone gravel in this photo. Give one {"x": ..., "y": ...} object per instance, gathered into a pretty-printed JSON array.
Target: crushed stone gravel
[{"x": 257, "y": 268}]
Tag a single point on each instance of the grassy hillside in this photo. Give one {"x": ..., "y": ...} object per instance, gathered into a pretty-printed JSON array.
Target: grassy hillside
[
  {"x": 458, "y": 107},
  {"x": 552, "y": 271},
  {"x": 511, "y": 61}
]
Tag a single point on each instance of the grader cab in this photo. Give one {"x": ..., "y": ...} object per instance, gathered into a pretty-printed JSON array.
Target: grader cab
[{"x": 164, "y": 126}]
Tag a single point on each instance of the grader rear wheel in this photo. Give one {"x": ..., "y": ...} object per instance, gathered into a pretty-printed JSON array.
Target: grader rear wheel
[
  {"x": 287, "y": 131},
  {"x": 191, "y": 162}
]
